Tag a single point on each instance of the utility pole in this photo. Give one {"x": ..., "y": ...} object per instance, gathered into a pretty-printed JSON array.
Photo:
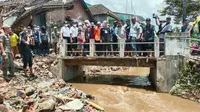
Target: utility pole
[{"x": 184, "y": 9}]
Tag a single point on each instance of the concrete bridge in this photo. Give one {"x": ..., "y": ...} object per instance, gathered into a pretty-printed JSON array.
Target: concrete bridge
[{"x": 164, "y": 71}]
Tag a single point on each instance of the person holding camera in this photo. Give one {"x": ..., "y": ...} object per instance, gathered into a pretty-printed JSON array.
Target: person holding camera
[
  {"x": 159, "y": 23},
  {"x": 167, "y": 28}
]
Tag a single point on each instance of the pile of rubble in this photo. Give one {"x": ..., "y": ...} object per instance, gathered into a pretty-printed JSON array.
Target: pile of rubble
[
  {"x": 44, "y": 94},
  {"x": 188, "y": 84}
]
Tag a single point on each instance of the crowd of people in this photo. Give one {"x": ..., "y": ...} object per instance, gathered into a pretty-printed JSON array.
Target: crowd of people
[
  {"x": 108, "y": 39},
  {"x": 123, "y": 35}
]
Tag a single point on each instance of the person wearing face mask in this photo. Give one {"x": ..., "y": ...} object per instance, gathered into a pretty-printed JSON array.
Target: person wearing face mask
[
  {"x": 37, "y": 39},
  {"x": 106, "y": 38},
  {"x": 73, "y": 38},
  {"x": 98, "y": 40},
  {"x": 87, "y": 38},
  {"x": 65, "y": 34}
]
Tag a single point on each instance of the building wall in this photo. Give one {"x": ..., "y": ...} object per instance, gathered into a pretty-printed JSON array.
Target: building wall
[
  {"x": 76, "y": 14},
  {"x": 100, "y": 18}
]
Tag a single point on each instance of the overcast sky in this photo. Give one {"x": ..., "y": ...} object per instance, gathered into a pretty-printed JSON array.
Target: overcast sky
[{"x": 144, "y": 8}]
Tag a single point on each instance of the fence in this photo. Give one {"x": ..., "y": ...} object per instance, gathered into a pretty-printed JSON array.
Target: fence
[{"x": 121, "y": 48}]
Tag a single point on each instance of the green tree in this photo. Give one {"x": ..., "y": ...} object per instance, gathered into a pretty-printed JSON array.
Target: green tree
[{"x": 175, "y": 8}]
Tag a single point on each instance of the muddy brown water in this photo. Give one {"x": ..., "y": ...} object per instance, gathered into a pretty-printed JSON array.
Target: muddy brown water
[{"x": 131, "y": 91}]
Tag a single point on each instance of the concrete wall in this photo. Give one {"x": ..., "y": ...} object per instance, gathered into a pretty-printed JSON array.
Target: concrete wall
[
  {"x": 166, "y": 73},
  {"x": 78, "y": 13},
  {"x": 69, "y": 72},
  {"x": 101, "y": 17}
]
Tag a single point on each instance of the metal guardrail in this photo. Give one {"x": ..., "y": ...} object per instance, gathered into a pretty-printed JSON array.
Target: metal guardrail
[{"x": 121, "y": 48}]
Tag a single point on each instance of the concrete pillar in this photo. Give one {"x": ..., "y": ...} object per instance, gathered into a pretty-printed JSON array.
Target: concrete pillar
[
  {"x": 166, "y": 72},
  {"x": 71, "y": 72}
]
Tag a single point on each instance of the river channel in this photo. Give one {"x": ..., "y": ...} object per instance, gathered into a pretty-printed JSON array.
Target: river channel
[{"x": 131, "y": 91}]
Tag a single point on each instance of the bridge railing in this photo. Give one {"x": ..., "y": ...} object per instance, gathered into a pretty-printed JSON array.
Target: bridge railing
[
  {"x": 181, "y": 43},
  {"x": 121, "y": 45}
]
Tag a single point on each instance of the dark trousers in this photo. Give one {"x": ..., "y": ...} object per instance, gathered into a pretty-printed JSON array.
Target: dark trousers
[
  {"x": 69, "y": 46},
  {"x": 45, "y": 48},
  {"x": 37, "y": 48},
  {"x": 27, "y": 60},
  {"x": 115, "y": 46},
  {"x": 162, "y": 46},
  {"x": 86, "y": 46},
  {"x": 55, "y": 48},
  {"x": 98, "y": 48},
  {"x": 106, "y": 47}
]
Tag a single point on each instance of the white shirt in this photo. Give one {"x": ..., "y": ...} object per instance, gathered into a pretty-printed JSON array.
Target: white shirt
[
  {"x": 74, "y": 31},
  {"x": 135, "y": 29},
  {"x": 66, "y": 31}
]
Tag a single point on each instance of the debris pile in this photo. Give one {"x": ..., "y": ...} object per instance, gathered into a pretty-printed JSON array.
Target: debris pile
[
  {"x": 44, "y": 94},
  {"x": 188, "y": 84}
]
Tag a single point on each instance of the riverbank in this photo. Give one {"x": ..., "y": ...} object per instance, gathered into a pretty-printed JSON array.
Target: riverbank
[
  {"x": 44, "y": 94},
  {"x": 188, "y": 84}
]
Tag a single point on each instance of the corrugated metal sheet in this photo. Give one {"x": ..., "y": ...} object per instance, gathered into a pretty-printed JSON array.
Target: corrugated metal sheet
[{"x": 9, "y": 20}]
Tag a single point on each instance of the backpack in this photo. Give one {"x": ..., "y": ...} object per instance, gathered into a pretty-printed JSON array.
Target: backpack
[{"x": 44, "y": 37}]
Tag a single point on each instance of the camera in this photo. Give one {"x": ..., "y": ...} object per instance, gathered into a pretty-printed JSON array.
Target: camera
[{"x": 155, "y": 16}]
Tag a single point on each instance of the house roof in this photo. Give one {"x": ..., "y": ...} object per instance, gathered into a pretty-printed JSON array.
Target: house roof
[
  {"x": 50, "y": 6},
  {"x": 101, "y": 9},
  {"x": 126, "y": 16}
]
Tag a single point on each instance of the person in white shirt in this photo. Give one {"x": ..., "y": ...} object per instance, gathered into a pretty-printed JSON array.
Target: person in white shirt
[
  {"x": 73, "y": 38},
  {"x": 135, "y": 33},
  {"x": 65, "y": 34}
]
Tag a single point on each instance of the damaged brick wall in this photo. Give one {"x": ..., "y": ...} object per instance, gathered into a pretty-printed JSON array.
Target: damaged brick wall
[{"x": 78, "y": 13}]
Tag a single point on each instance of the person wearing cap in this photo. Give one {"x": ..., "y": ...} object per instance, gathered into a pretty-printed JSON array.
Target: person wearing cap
[
  {"x": 135, "y": 33},
  {"x": 186, "y": 26},
  {"x": 87, "y": 38},
  {"x": 106, "y": 38},
  {"x": 65, "y": 34},
  {"x": 148, "y": 36},
  {"x": 92, "y": 37},
  {"x": 37, "y": 40},
  {"x": 45, "y": 39},
  {"x": 81, "y": 40},
  {"x": 167, "y": 28},
  {"x": 7, "y": 53},
  {"x": 97, "y": 32}
]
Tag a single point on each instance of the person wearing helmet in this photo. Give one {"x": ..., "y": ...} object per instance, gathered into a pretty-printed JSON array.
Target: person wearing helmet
[
  {"x": 97, "y": 33},
  {"x": 148, "y": 36}
]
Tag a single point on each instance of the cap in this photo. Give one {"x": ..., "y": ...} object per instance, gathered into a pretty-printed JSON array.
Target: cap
[
  {"x": 168, "y": 17},
  {"x": 148, "y": 19},
  {"x": 133, "y": 18},
  {"x": 87, "y": 21},
  {"x": 105, "y": 21},
  {"x": 98, "y": 22},
  {"x": 187, "y": 19},
  {"x": 92, "y": 24},
  {"x": 79, "y": 24},
  {"x": 5, "y": 26}
]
